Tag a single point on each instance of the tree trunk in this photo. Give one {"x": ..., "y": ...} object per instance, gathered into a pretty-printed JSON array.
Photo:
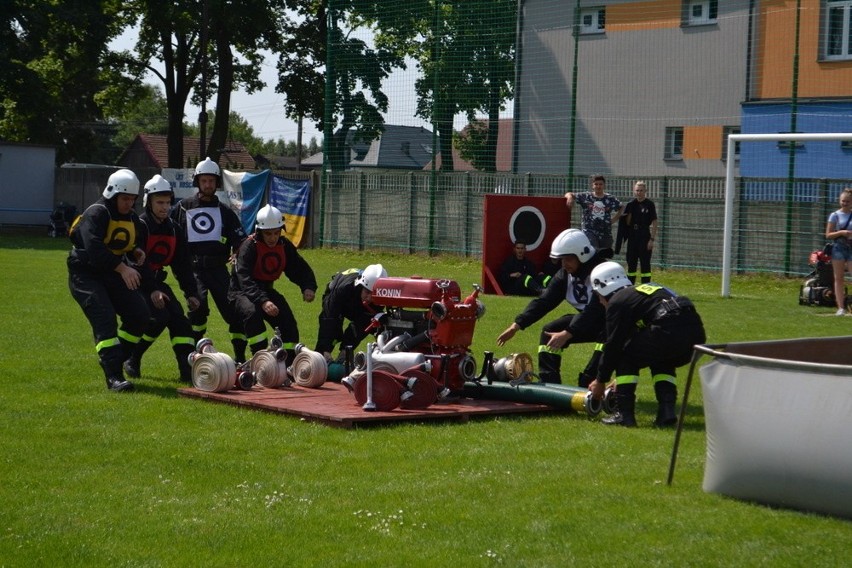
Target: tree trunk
[{"x": 217, "y": 148}]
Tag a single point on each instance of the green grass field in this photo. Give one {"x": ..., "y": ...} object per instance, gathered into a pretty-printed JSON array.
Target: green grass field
[{"x": 93, "y": 478}]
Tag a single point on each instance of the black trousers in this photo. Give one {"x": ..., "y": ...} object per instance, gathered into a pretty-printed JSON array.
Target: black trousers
[
  {"x": 103, "y": 299},
  {"x": 662, "y": 348},
  {"x": 638, "y": 254},
  {"x": 213, "y": 282},
  {"x": 253, "y": 320},
  {"x": 171, "y": 317},
  {"x": 550, "y": 362}
]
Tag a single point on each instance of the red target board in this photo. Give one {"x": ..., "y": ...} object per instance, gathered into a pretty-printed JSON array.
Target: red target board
[{"x": 509, "y": 218}]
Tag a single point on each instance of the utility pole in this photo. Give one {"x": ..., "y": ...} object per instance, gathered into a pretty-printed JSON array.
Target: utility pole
[{"x": 202, "y": 116}]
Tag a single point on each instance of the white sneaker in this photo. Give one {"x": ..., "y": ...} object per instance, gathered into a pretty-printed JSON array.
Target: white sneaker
[{"x": 840, "y": 312}]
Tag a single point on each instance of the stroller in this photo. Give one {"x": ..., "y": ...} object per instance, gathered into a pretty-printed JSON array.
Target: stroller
[
  {"x": 60, "y": 219},
  {"x": 818, "y": 288}
]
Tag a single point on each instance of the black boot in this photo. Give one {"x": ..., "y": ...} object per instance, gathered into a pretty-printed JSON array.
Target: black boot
[
  {"x": 133, "y": 367},
  {"x": 239, "y": 350},
  {"x": 625, "y": 396},
  {"x": 666, "y": 398},
  {"x": 548, "y": 367},
  {"x": 184, "y": 368},
  {"x": 111, "y": 364},
  {"x": 588, "y": 374},
  {"x": 119, "y": 384},
  {"x": 133, "y": 364}
]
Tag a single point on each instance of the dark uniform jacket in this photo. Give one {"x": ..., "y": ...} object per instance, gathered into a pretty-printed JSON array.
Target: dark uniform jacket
[
  {"x": 577, "y": 291},
  {"x": 165, "y": 245},
  {"x": 258, "y": 266},
  {"x": 342, "y": 300},
  {"x": 512, "y": 265},
  {"x": 638, "y": 216},
  {"x": 205, "y": 251},
  {"x": 101, "y": 238},
  {"x": 644, "y": 306}
]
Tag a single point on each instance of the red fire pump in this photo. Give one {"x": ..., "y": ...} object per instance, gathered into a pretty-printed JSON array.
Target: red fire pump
[{"x": 428, "y": 316}]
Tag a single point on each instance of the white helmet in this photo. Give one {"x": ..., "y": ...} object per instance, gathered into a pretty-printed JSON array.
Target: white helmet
[
  {"x": 370, "y": 275},
  {"x": 157, "y": 184},
  {"x": 208, "y": 167},
  {"x": 572, "y": 241},
  {"x": 269, "y": 217},
  {"x": 122, "y": 181},
  {"x": 608, "y": 278}
]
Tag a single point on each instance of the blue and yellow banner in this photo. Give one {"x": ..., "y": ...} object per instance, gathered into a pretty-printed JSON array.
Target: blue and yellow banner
[{"x": 292, "y": 198}]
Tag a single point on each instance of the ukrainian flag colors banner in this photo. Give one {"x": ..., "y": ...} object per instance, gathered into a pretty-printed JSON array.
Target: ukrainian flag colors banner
[
  {"x": 243, "y": 192},
  {"x": 292, "y": 198}
]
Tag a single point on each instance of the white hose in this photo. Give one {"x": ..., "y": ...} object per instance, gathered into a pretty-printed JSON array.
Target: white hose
[
  {"x": 268, "y": 370},
  {"x": 213, "y": 372},
  {"x": 309, "y": 368}
]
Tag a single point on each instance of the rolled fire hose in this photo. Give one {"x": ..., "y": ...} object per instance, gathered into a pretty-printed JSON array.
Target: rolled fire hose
[
  {"x": 421, "y": 389},
  {"x": 309, "y": 368},
  {"x": 386, "y": 392},
  {"x": 269, "y": 370},
  {"x": 212, "y": 371}
]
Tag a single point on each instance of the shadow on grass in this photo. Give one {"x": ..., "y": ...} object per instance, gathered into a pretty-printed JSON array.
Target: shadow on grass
[{"x": 166, "y": 388}]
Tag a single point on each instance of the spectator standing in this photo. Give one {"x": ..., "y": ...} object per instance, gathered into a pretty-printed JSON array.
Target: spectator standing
[
  {"x": 838, "y": 229},
  {"x": 599, "y": 210},
  {"x": 640, "y": 220}
]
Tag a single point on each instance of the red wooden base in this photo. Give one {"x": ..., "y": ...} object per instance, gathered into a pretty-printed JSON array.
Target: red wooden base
[{"x": 334, "y": 405}]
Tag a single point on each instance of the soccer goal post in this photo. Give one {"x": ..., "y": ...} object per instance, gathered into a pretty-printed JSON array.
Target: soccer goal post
[{"x": 727, "y": 240}]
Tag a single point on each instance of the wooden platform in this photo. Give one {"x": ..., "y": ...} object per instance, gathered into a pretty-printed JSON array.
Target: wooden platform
[{"x": 333, "y": 405}]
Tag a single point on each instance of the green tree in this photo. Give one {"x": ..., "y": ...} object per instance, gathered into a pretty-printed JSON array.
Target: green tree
[
  {"x": 472, "y": 144},
  {"x": 147, "y": 114},
  {"x": 341, "y": 91},
  {"x": 50, "y": 75},
  {"x": 462, "y": 69},
  {"x": 247, "y": 27},
  {"x": 188, "y": 63}
]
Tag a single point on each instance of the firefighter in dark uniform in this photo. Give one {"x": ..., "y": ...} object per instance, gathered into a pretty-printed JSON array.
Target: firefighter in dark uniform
[
  {"x": 165, "y": 245},
  {"x": 348, "y": 296},
  {"x": 261, "y": 260},
  {"x": 571, "y": 284},
  {"x": 104, "y": 277},
  {"x": 213, "y": 231},
  {"x": 646, "y": 326},
  {"x": 640, "y": 230},
  {"x": 518, "y": 276}
]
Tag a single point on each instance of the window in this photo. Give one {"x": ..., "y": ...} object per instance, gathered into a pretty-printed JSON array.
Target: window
[
  {"x": 674, "y": 143},
  {"x": 838, "y": 30},
  {"x": 789, "y": 144},
  {"x": 592, "y": 20},
  {"x": 700, "y": 12},
  {"x": 727, "y": 130}
]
